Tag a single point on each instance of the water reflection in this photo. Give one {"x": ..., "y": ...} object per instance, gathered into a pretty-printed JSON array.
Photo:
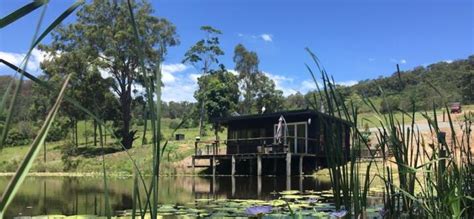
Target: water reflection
[{"x": 84, "y": 195}]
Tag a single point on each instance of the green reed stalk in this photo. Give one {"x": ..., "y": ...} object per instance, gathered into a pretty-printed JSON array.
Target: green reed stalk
[
  {"x": 35, "y": 147},
  {"x": 350, "y": 191}
]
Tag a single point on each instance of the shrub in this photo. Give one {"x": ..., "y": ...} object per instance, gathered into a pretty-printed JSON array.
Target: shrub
[
  {"x": 67, "y": 152},
  {"x": 16, "y": 138},
  {"x": 59, "y": 129}
]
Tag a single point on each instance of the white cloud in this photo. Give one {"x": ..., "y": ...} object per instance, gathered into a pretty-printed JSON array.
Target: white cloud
[
  {"x": 266, "y": 37},
  {"x": 282, "y": 83},
  {"x": 194, "y": 77},
  {"x": 347, "y": 83},
  {"x": 36, "y": 57},
  {"x": 449, "y": 61},
  {"x": 234, "y": 72},
  {"x": 168, "y": 71},
  {"x": 401, "y": 61}
]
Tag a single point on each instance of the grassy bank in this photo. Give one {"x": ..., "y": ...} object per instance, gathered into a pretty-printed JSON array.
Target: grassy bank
[{"x": 89, "y": 161}]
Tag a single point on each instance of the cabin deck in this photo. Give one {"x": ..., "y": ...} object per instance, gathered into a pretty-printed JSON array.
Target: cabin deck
[{"x": 256, "y": 161}]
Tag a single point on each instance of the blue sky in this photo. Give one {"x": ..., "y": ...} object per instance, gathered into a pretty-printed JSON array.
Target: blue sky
[{"x": 355, "y": 40}]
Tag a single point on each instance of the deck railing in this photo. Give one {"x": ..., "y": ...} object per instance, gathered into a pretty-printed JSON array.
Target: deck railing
[{"x": 262, "y": 145}]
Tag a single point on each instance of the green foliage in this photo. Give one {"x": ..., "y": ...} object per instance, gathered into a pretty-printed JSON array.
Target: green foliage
[
  {"x": 257, "y": 88},
  {"x": 295, "y": 101},
  {"x": 59, "y": 129},
  {"x": 17, "y": 138},
  {"x": 219, "y": 92},
  {"x": 266, "y": 95},
  {"x": 68, "y": 151},
  {"x": 204, "y": 54}
]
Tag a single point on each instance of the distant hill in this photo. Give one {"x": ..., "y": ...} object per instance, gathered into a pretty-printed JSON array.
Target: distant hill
[{"x": 454, "y": 80}]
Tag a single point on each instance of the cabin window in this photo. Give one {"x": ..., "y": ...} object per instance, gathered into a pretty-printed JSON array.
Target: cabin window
[
  {"x": 242, "y": 134},
  {"x": 296, "y": 136}
]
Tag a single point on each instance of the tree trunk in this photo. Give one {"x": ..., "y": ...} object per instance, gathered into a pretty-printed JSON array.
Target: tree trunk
[
  {"x": 201, "y": 120},
  {"x": 95, "y": 133},
  {"x": 126, "y": 104},
  {"x": 145, "y": 112},
  {"x": 75, "y": 133}
]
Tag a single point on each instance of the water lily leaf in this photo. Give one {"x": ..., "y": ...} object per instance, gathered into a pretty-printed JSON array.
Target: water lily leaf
[{"x": 289, "y": 192}]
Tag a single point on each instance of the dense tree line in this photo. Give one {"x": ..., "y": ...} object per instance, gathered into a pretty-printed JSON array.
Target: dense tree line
[{"x": 454, "y": 80}]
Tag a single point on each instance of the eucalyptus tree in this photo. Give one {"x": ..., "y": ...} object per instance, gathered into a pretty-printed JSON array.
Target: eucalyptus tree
[
  {"x": 103, "y": 36},
  {"x": 246, "y": 63},
  {"x": 258, "y": 89},
  {"x": 204, "y": 57}
]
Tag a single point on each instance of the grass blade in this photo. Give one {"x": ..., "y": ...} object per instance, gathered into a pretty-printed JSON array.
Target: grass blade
[{"x": 28, "y": 8}]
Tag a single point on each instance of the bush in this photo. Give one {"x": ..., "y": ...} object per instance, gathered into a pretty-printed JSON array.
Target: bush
[
  {"x": 67, "y": 152},
  {"x": 16, "y": 138},
  {"x": 59, "y": 129}
]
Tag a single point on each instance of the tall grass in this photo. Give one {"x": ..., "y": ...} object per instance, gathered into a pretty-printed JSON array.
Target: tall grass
[{"x": 424, "y": 177}]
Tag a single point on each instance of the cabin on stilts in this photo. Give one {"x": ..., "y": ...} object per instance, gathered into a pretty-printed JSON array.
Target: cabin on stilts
[{"x": 288, "y": 142}]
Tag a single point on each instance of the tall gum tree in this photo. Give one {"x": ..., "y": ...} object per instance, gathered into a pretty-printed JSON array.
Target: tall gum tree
[
  {"x": 104, "y": 36},
  {"x": 204, "y": 57}
]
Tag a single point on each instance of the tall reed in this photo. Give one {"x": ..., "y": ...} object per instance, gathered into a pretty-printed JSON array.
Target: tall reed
[{"x": 431, "y": 179}]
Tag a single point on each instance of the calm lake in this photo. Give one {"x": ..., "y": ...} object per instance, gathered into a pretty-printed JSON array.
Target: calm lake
[{"x": 84, "y": 195}]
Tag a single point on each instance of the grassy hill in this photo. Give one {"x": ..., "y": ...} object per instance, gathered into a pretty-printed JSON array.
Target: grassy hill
[{"x": 454, "y": 80}]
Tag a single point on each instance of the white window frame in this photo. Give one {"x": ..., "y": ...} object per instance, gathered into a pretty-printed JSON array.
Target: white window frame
[{"x": 295, "y": 145}]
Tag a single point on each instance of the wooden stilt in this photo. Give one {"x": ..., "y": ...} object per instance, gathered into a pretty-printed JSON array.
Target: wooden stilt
[
  {"x": 301, "y": 183},
  {"x": 232, "y": 172},
  {"x": 213, "y": 165},
  {"x": 259, "y": 165},
  {"x": 259, "y": 186},
  {"x": 288, "y": 164},
  {"x": 288, "y": 182},
  {"x": 194, "y": 165},
  {"x": 233, "y": 186},
  {"x": 301, "y": 166}
]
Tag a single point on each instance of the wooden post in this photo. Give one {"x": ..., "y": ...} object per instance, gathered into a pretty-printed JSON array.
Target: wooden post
[
  {"x": 233, "y": 186},
  {"x": 301, "y": 183},
  {"x": 194, "y": 165},
  {"x": 301, "y": 165},
  {"x": 288, "y": 164},
  {"x": 259, "y": 165},
  {"x": 195, "y": 147},
  {"x": 232, "y": 172},
  {"x": 259, "y": 186},
  {"x": 288, "y": 182},
  {"x": 213, "y": 165}
]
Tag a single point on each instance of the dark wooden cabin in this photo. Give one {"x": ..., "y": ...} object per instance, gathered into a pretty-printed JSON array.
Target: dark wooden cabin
[{"x": 254, "y": 137}]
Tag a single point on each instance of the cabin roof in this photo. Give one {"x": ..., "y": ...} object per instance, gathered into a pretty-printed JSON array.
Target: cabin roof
[{"x": 276, "y": 115}]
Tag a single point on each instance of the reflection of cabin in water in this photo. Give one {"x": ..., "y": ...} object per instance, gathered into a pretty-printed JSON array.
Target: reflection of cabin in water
[{"x": 274, "y": 143}]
